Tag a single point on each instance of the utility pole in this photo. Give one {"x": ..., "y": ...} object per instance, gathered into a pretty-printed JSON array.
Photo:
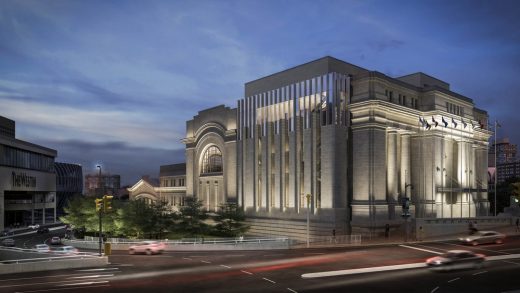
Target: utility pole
[
  {"x": 308, "y": 218},
  {"x": 496, "y": 168},
  {"x": 99, "y": 209}
]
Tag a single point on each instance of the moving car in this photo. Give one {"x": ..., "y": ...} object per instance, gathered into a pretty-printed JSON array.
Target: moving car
[
  {"x": 7, "y": 232},
  {"x": 41, "y": 248},
  {"x": 8, "y": 242},
  {"x": 65, "y": 250},
  {"x": 456, "y": 259},
  {"x": 148, "y": 247},
  {"x": 43, "y": 230},
  {"x": 482, "y": 237},
  {"x": 35, "y": 226},
  {"x": 55, "y": 240}
]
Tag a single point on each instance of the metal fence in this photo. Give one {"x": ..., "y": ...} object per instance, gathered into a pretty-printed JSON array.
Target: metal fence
[
  {"x": 193, "y": 241},
  {"x": 333, "y": 240}
]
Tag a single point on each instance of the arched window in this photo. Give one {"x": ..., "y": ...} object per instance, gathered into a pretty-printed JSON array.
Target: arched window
[{"x": 212, "y": 161}]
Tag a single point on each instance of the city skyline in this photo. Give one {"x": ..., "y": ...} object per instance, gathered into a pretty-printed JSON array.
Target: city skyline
[{"x": 112, "y": 83}]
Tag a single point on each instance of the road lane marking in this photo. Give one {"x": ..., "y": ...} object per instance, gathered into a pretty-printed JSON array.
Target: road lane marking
[
  {"x": 61, "y": 289},
  {"x": 421, "y": 249},
  {"x": 83, "y": 283},
  {"x": 225, "y": 266},
  {"x": 502, "y": 257},
  {"x": 91, "y": 276},
  {"x": 235, "y": 255},
  {"x": 246, "y": 272},
  {"x": 363, "y": 270},
  {"x": 291, "y": 290},
  {"x": 205, "y": 261},
  {"x": 435, "y": 289},
  {"x": 273, "y": 254},
  {"x": 511, "y": 262},
  {"x": 54, "y": 276},
  {"x": 453, "y": 280},
  {"x": 97, "y": 270},
  {"x": 186, "y": 258},
  {"x": 314, "y": 253},
  {"x": 479, "y": 273},
  {"x": 474, "y": 247},
  {"x": 269, "y": 280}
]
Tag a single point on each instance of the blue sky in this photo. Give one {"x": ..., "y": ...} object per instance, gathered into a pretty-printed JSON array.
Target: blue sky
[{"x": 113, "y": 82}]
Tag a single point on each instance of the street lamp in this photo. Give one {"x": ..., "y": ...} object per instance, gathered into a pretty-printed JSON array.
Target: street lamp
[
  {"x": 100, "y": 201},
  {"x": 496, "y": 169},
  {"x": 99, "y": 177}
]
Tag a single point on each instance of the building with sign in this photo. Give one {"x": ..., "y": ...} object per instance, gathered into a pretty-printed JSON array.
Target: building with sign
[{"x": 27, "y": 180}]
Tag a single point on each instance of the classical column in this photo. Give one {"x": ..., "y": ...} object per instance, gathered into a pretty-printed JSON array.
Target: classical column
[
  {"x": 391, "y": 166},
  {"x": 405, "y": 163}
]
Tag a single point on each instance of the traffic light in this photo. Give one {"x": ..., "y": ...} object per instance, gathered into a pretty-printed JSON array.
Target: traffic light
[
  {"x": 99, "y": 204},
  {"x": 107, "y": 203},
  {"x": 406, "y": 207}
]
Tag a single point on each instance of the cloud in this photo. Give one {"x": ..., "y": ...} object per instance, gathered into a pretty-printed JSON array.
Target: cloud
[{"x": 40, "y": 120}]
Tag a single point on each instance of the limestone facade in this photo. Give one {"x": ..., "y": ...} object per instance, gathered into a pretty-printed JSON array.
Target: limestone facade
[{"x": 343, "y": 146}]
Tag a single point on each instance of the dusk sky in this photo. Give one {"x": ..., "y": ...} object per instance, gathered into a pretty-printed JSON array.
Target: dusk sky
[{"x": 113, "y": 82}]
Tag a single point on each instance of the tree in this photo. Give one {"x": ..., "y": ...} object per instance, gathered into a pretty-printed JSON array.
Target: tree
[
  {"x": 230, "y": 221},
  {"x": 192, "y": 217},
  {"x": 504, "y": 191},
  {"x": 81, "y": 213}
]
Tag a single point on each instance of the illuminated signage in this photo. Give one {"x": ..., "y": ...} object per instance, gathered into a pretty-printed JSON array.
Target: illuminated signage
[{"x": 23, "y": 180}]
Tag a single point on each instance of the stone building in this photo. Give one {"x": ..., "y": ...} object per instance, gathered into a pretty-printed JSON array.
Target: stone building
[
  {"x": 170, "y": 188},
  {"x": 339, "y": 145},
  {"x": 211, "y": 165},
  {"x": 343, "y": 144}
]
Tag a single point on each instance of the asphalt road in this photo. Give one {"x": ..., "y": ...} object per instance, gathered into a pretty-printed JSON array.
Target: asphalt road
[{"x": 282, "y": 271}]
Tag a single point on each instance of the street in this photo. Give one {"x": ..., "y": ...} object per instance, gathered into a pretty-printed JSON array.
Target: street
[{"x": 295, "y": 270}]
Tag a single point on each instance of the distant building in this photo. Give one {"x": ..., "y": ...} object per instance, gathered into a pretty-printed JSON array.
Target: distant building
[
  {"x": 69, "y": 183},
  {"x": 170, "y": 188},
  {"x": 27, "y": 180},
  {"x": 506, "y": 152},
  {"x": 507, "y": 165},
  {"x": 507, "y": 171},
  {"x": 101, "y": 184}
]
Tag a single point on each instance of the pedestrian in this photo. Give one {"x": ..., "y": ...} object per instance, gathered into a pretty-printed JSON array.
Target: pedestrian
[
  {"x": 334, "y": 235},
  {"x": 387, "y": 230},
  {"x": 517, "y": 223}
]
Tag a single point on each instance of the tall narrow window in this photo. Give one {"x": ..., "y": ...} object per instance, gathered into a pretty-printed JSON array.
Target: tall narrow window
[{"x": 212, "y": 161}]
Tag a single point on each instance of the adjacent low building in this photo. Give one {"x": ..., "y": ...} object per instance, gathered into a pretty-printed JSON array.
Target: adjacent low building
[
  {"x": 27, "y": 180},
  {"x": 170, "y": 188}
]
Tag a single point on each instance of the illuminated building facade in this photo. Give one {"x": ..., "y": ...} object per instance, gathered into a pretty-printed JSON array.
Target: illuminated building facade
[{"x": 344, "y": 144}]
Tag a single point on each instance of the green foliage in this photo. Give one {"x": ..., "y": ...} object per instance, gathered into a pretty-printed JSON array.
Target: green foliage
[
  {"x": 230, "y": 221},
  {"x": 81, "y": 212},
  {"x": 141, "y": 220},
  {"x": 504, "y": 190},
  {"x": 192, "y": 217}
]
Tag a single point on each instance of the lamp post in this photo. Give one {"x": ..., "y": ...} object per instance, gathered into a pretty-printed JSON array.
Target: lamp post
[
  {"x": 100, "y": 212},
  {"x": 496, "y": 168},
  {"x": 308, "y": 217}
]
